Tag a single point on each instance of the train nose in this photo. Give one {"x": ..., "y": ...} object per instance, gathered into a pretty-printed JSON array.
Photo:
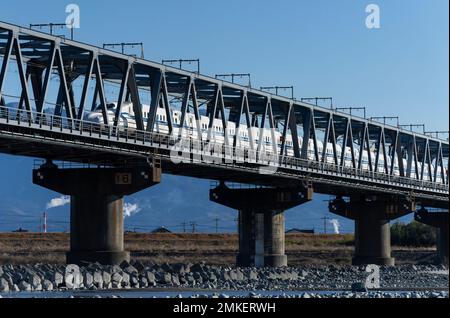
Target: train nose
[{"x": 93, "y": 118}]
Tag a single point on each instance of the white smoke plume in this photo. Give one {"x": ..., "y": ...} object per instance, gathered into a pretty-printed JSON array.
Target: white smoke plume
[
  {"x": 336, "y": 225},
  {"x": 57, "y": 202},
  {"x": 130, "y": 209}
]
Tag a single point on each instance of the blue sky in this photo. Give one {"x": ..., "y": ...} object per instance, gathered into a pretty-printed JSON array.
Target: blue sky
[{"x": 322, "y": 47}]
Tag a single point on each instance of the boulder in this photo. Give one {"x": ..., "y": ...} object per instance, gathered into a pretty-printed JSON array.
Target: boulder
[
  {"x": 98, "y": 279},
  {"x": 163, "y": 278},
  {"x": 106, "y": 278},
  {"x": 150, "y": 277},
  {"x": 47, "y": 285},
  {"x": 130, "y": 270},
  {"x": 134, "y": 280},
  {"x": 58, "y": 279},
  {"x": 124, "y": 264},
  {"x": 175, "y": 280},
  {"x": 143, "y": 282},
  {"x": 139, "y": 266},
  {"x": 116, "y": 278},
  {"x": 197, "y": 268},
  {"x": 125, "y": 279},
  {"x": 88, "y": 279},
  {"x": 24, "y": 286},
  {"x": 253, "y": 275},
  {"x": 4, "y": 285}
]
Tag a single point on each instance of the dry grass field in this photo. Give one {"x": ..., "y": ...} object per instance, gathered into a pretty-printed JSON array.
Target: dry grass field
[{"x": 219, "y": 249}]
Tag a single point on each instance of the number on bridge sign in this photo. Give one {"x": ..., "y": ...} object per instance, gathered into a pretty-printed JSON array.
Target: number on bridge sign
[{"x": 123, "y": 178}]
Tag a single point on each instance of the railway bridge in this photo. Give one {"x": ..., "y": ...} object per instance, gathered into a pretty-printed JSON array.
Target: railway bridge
[{"x": 44, "y": 90}]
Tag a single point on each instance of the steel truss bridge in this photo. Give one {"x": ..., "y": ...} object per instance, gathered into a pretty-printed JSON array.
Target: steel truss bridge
[{"x": 27, "y": 131}]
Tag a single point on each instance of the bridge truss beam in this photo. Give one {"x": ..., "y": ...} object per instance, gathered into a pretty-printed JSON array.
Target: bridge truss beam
[{"x": 37, "y": 56}]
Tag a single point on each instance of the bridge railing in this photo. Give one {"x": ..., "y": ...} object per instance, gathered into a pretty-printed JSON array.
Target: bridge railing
[{"x": 197, "y": 150}]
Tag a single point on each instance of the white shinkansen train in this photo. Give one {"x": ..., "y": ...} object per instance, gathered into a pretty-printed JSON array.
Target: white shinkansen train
[{"x": 127, "y": 121}]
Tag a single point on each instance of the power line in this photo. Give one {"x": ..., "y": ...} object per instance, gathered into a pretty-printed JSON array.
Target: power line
[
  {"x": 351, "y": 109},
  {"x": 51, "y": 26},
  {"x": 278, "y": 88},
  {"x": 233, "y": 76},
  {"x": 412, "y": 126},
  {"x": 384, "y": 118},
  {"x": 123, "y": 45},
  {"x": 317, "y": 99},
  {"x": 180, "y": 62}
]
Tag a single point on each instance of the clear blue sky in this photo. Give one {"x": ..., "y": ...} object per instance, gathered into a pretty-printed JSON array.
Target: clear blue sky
[{"x": 322, "y": 47}]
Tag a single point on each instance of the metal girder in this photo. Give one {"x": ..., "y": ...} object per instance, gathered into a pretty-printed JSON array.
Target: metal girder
[
  {"x": 23, "y": 77},
  {"x": 136, "y": 100},
  {"x": 64, "y": 88},
  {"x": 87, "y": 78},
  {"x": 126, "y": 72},
  {"x": 294, "y": 133},
  {"x": 166, "y": 104},
  {"x": 243, "y": 108},
  {"x": 330, "y": 132},
  {"x": 267, "y": 113},
  {"x": 6, "y": 57},
  {"x": 193, "y": 92},
  {"x": 190, "y": 95},
  {"x": 48, "y": 73},
  {"x": 100, "y": 90},
  {"x": 185, "y": 106}
]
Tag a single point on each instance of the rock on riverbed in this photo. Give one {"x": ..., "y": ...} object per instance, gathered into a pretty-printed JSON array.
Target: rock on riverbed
[{"x": 46, "y": 277}]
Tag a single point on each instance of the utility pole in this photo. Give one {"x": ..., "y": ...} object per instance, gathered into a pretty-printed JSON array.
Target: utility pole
[
  {"x": 194, "y": 225},
  {"x": 184, "y": 227},
  {"x": 325, "y": 219},
  {"x": 45, "y": 222},
  {"x": 216, "y": 220}
]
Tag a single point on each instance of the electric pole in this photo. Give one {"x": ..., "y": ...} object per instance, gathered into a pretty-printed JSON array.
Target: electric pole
[
  {"x": 45, "y": 222},
  {"x": 325, "y": 219},
  {"x": 216, "y": 220},
  {"x": 194, "y": 225}
]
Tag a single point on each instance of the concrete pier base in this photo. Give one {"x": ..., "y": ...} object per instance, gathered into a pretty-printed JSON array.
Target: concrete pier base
[
  {"x": 438, "y": 220},
  {"x": 274, "y": 239},
  {"x": 261, "y": 221},
  {"x": 96, "y": 208},
  {"x": 372, "y": 240},
  {"x": 372, "y": 215},
  {"x": 261, "y": 239}
]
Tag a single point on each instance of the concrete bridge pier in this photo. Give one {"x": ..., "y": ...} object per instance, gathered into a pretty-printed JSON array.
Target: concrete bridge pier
[
  {"x": 96, "y": 207},
  {"x": 261, "y": 221},
  {"x": 372, "y": 215},
  {"x": 440, "y": 221}
]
